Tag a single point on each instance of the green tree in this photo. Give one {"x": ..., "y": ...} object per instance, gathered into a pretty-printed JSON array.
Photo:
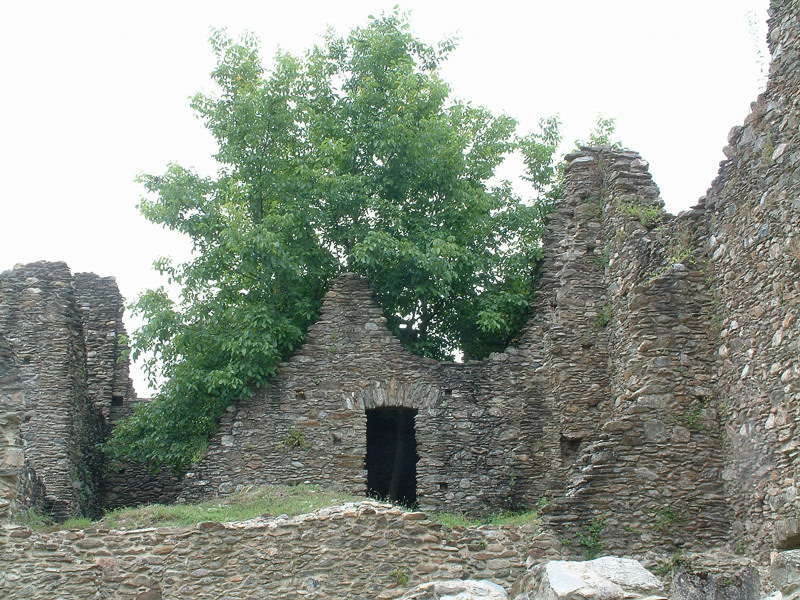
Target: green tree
[
  {"x": 602, "y": 134},
  {"x": 352, "y": 158}
]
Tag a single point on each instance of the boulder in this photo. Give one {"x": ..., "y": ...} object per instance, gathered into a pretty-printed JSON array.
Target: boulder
[
  {"x": 703, "y": 585},
  {"x": 606, "y": 578},
  {"x": 457, "y": 589},
  {"x": 785, "y": 573}
]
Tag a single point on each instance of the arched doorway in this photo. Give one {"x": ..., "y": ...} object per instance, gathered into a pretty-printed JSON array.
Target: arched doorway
[{"x": 392, "y": 454}]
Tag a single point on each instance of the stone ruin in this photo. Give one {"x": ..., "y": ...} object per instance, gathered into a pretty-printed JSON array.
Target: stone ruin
[{"x": 655, "y": 392}]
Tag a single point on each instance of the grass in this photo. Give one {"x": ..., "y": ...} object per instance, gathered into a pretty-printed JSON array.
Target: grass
[
  {"x": 267, "y": 500},
  {"x": 41, "y": 522},
  {"x": 504, "y": 518}
]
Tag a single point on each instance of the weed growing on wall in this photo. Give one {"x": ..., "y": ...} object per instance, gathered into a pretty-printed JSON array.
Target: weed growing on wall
[
  {"x": 674, "y": 564},
  {"x": 399, "y": 576},
  {"x": 665, "y": 517},
  {"x": 590, "y": 537},
  {"x": 295, "y": 439},
  {"x": 648, "y": 215},
  {"x": 604, "y": 316}
]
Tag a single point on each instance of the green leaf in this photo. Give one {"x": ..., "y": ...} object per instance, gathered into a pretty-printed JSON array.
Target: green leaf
[{"x": 351, "y": 157}]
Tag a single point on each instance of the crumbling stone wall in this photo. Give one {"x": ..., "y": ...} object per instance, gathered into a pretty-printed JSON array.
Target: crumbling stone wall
[
  {"x": 753, "y": 241},
  {"x": 605, "y": 405},
  {"x": 63, "y": 374},
  {"x": 107, "y": 369},
  {"x": 20, "y": 487},
  {"x": 649, "y": 468},
  {"x": 309, "y": 424},
  {"x": 653, "y": 396},
  {"x": 364, "y": 550},
  {"x": 59, "y": 430}
]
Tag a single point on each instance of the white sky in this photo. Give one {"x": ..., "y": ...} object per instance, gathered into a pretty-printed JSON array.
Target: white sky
[{"x": 94, "y": 92}]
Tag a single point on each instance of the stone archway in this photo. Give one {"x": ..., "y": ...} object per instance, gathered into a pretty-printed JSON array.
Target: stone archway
[{"x": 391, "y": 458}]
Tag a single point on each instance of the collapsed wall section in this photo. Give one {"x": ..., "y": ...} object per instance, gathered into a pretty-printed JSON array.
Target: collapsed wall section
[{"x": 753, "y": 240}]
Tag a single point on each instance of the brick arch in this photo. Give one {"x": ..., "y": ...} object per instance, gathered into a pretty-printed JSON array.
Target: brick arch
[{"x": 394, "y": 393}]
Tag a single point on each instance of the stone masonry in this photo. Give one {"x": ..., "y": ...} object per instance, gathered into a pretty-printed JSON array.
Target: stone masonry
[
  {"x": 653, "y": 396},
  {"x": 63, "y": 378},
  {"x": 356, "y": 551}
]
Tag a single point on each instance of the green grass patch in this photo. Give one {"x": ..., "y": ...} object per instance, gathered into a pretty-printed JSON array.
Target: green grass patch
[
  {"x": 35, "y": 520},
  {"x": 515, "y": 518},
  {"x": 504, "y": 518},
  {"x": 453, "y": 520},
  {"x": 270, "y": 500}
]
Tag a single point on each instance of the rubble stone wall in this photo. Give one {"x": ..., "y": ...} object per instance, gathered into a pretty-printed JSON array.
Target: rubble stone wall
[
  {"x": 100, "y": 307},
  {"x": 63, "y": 378},
  {"x": 753, "y": 244},
  {"x": 39, "y": 320},
  {"x": 20, "y": 487},
  {"x": 309, "y": 424},
  {"x": 364, "y": 550},
  {"x": 650, "y": 469},
  {"x": 653, "y": 396}
]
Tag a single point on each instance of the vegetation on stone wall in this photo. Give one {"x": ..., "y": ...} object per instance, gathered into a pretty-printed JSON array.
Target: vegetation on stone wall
[{"x": 355, "y": 158}]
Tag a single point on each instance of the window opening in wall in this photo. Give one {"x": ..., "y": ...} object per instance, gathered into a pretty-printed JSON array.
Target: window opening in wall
[
  {"x": 392, "y": 454},
  {"x": 569, "y": 449},
  {"x": 116, "y": 400},
  {"x": 790, "y": 542}
]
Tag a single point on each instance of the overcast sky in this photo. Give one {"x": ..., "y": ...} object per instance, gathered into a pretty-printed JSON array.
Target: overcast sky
[{"x": 95, "y": 92}]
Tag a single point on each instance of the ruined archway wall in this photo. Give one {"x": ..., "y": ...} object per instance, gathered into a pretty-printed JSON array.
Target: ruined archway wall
[
  {"x": 309, "y": 424},
  {"x": 754, "y": 245}
]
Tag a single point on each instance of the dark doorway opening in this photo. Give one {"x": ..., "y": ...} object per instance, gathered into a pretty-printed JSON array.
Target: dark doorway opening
[{"x": 392, "y": 454}]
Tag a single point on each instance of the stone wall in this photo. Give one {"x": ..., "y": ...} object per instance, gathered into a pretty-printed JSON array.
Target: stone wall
[
  {"x": 753, "y": 241},
  {"x": 647, "y": 464},
  {"x": 623, "y": 402},
  {"x": 364, "y": 550},
  {"x": 653, "y": 396},
  {"x": 59, "y": 429},
  {"x": 20, "y": 487},
  {"x": 606, "y": 404},
  {"x": 107, "y": 368},
  {"x": 310, "y": 423},
  {"x": 63, "y": 380}
]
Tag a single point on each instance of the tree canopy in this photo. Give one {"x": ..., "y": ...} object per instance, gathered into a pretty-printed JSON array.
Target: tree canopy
[{"x": 352, "y": 158}]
